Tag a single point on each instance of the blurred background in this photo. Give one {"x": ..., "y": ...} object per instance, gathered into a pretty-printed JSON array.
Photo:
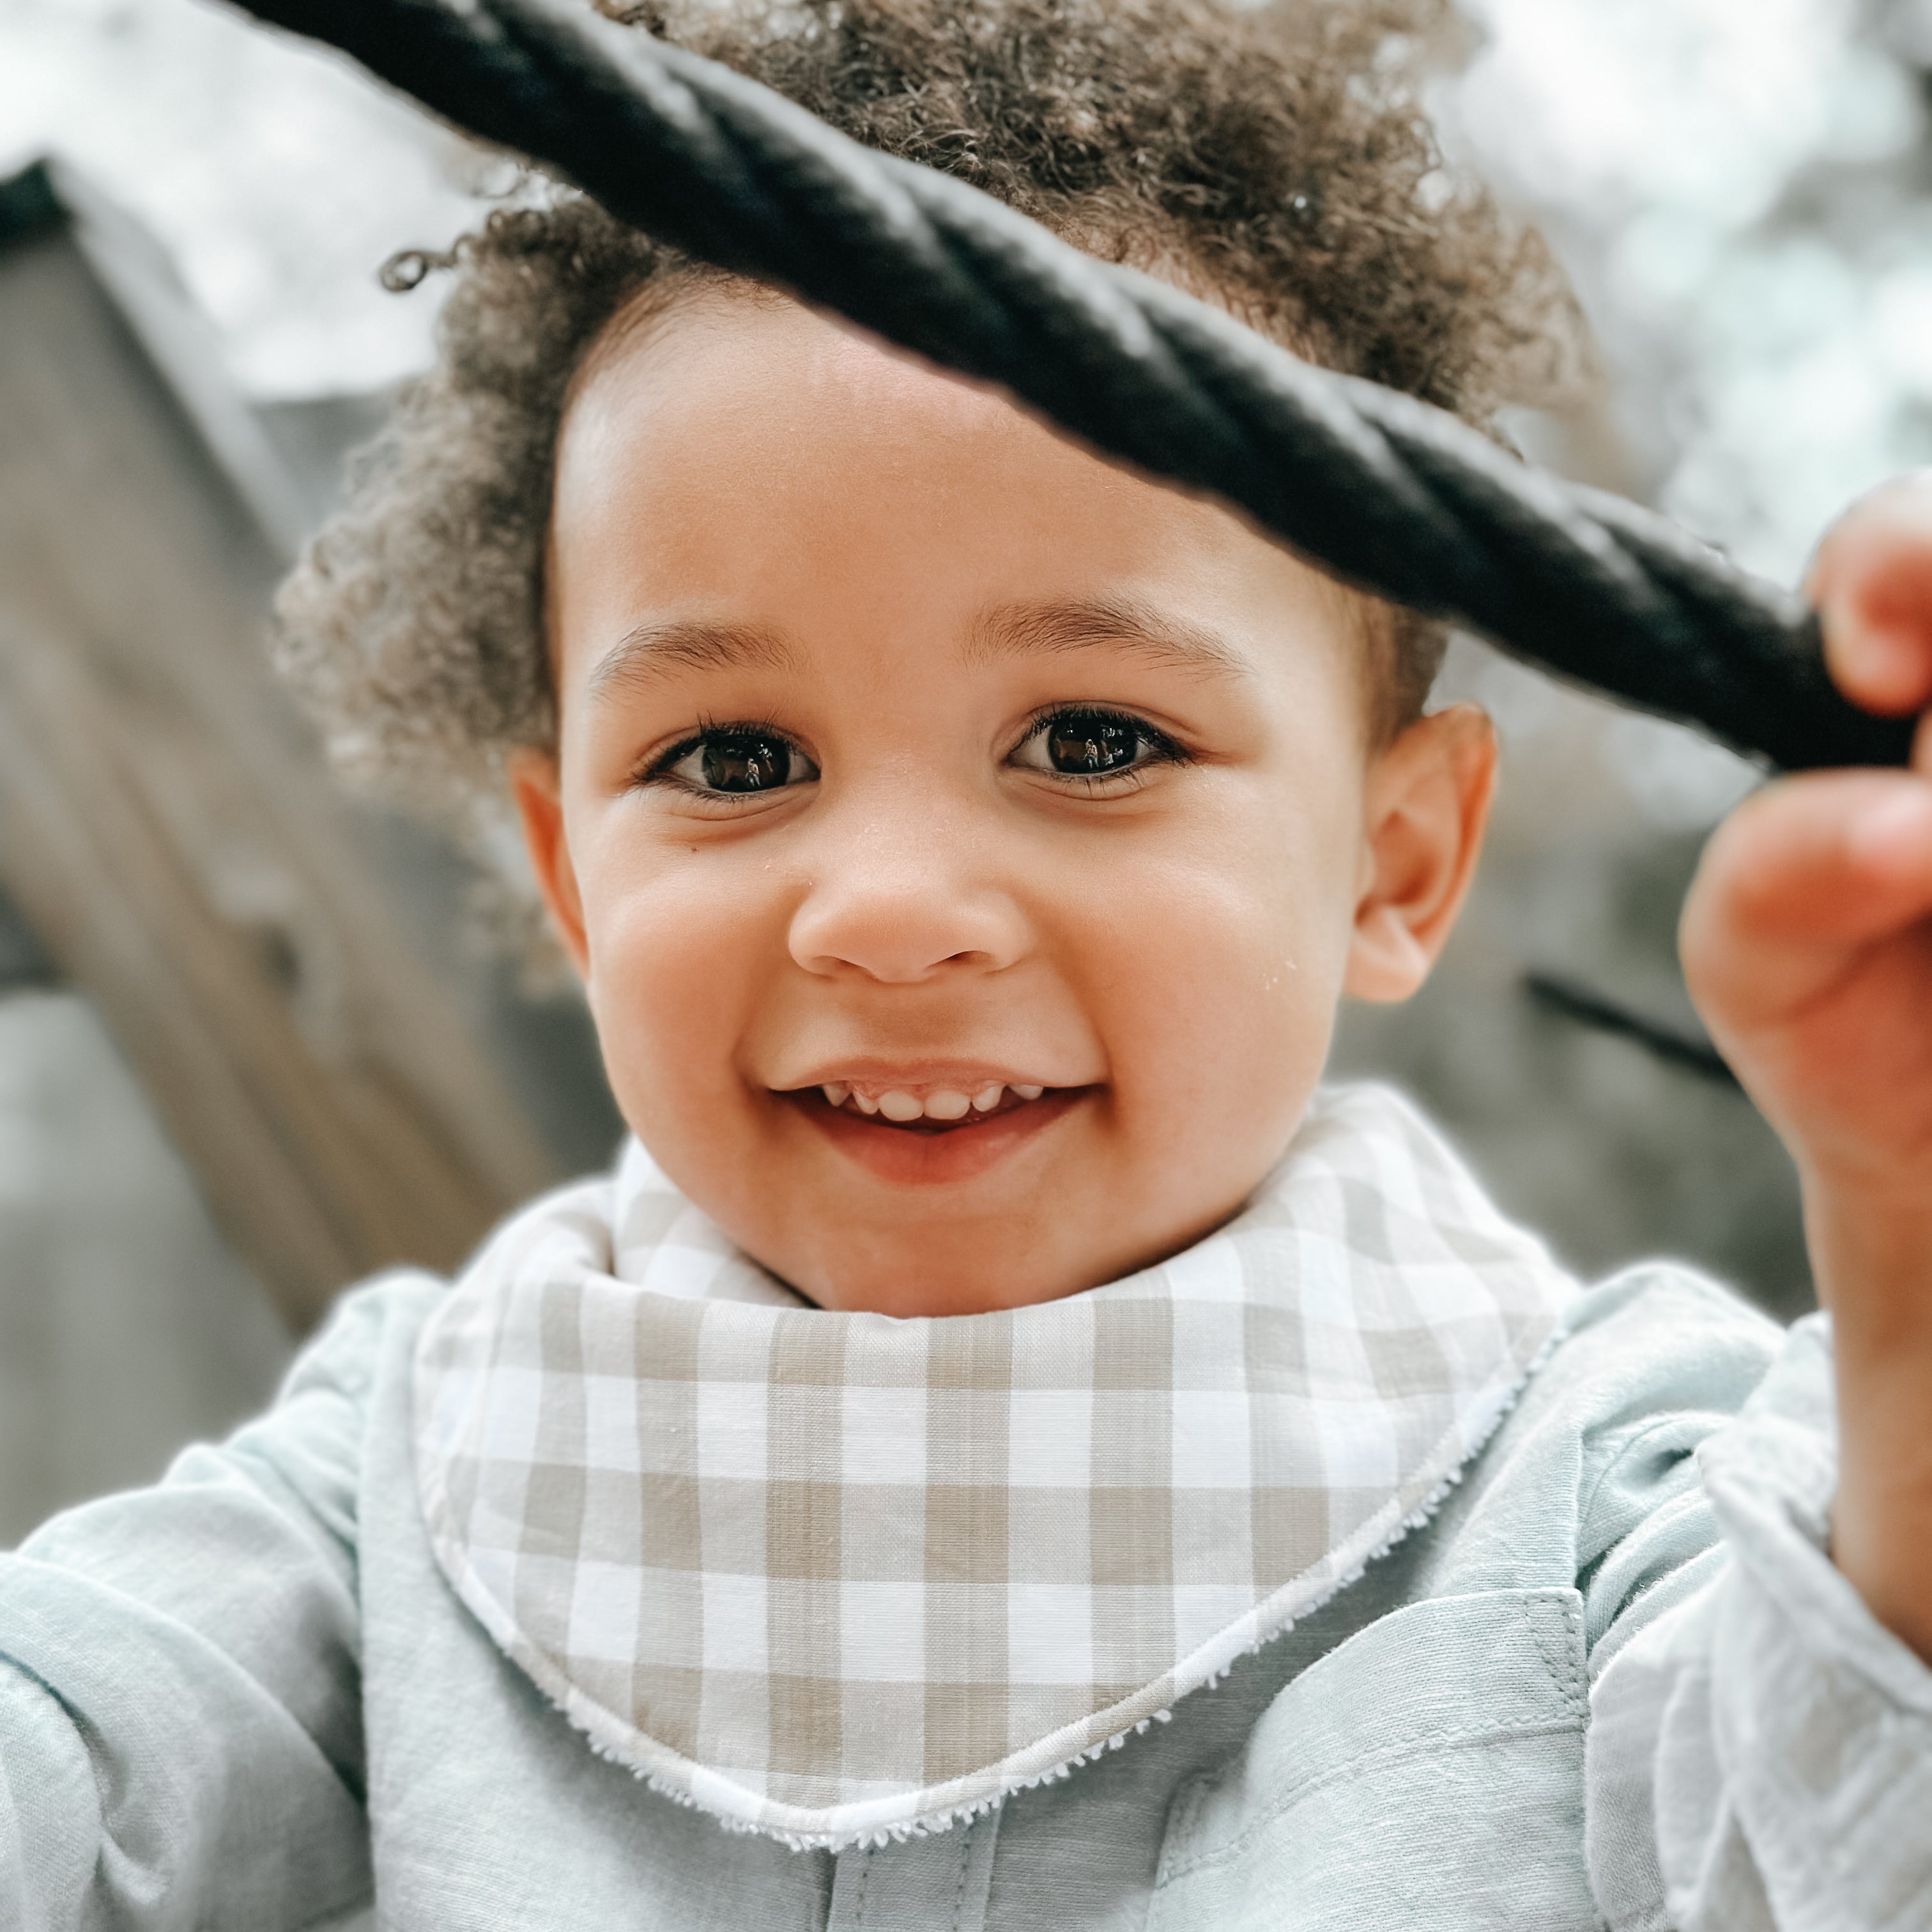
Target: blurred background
[{"x": 250, "y": 1045}]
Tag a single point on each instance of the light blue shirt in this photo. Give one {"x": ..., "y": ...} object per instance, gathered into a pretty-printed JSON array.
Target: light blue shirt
[{"x": 1614, "y": 1679}]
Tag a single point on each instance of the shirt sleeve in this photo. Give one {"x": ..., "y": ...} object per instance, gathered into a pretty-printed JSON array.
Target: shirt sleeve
[
  {"x": 181, "y": 1740},
  {"x": 1759, "y": 1751}
]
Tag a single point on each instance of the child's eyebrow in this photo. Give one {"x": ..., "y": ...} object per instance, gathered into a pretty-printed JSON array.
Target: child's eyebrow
[
  {"x": 1024, "y": 630},
  {"x": 656, "y": 650}
]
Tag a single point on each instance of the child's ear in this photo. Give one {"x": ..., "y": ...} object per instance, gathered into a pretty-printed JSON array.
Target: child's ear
[
  {"x": 534, "y": 785},
  {"x": 1426, "y": 803}
]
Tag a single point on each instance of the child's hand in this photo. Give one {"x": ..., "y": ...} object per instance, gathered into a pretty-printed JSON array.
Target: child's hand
[{"x": 1808, "y": 944}]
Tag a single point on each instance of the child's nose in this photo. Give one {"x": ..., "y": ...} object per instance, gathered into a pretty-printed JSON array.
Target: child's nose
[{"x": 900, "y": 903}]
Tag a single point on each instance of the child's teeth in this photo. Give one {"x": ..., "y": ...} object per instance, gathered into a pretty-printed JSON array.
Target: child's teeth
[{"x": 947, "y": 1104}]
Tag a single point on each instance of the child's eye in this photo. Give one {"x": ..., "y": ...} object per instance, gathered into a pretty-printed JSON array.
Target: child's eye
[
  {"x": 1092, "y": 744},
  {"x": 734, "y": 761}
]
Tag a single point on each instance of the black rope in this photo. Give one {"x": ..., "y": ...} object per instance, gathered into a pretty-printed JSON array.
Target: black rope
[
  {"x": 1382, "y": 489},
  {"x": 1575, "y": 1001}
]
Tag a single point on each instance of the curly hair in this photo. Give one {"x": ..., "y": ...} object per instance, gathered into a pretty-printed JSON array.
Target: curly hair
[{"x": 1274, "y": 159}]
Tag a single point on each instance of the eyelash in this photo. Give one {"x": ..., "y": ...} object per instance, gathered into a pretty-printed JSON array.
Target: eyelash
[
  {"x": 660, "y": 768},
  {"x": 1160, "y": 748}
]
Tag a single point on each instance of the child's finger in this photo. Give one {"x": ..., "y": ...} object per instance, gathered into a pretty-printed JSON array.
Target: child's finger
[
  {"x": 1837, "y": 856},
  {"x": 1801, "y": 877},
  {"x": 1872, "y": 583}
]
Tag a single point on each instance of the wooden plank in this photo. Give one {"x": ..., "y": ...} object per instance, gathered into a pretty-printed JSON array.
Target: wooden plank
[{"x": 168, "y": 830}]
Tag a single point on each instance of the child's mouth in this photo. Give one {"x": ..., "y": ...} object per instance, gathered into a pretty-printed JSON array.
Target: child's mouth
[
  {"x": 939, "y": 1134},
  {"x": 939, "y": 1111}
]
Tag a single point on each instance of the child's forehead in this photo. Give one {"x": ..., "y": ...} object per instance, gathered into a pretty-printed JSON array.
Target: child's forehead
[
  {"x": 724, "y": 363},
  {"x": 753, "y": 459}
]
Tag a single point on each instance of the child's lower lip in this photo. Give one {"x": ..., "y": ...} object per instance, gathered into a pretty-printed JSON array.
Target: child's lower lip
[{"x": 913, "y": 1158}]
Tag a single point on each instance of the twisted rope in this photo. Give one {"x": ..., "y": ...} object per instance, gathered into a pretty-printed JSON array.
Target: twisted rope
[{"x": 1384, "y": 491}]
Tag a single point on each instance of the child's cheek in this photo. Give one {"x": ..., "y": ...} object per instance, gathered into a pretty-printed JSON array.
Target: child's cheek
[
  {"x": 1216, "y": 988},
  {"x": 679, "y": 943}
]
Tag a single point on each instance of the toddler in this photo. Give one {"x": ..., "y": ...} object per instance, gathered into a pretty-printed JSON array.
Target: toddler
[{"x": 1006, "y": 1447}]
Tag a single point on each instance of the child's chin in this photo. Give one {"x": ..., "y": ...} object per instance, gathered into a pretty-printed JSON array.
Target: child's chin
[{"x": 917, "y": 1156}]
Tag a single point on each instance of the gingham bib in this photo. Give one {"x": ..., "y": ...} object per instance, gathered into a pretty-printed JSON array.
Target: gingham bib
[{"x": 837, "y": 1577}]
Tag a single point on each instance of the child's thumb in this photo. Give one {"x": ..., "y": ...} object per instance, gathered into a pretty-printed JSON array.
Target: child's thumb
[{"x": 1871, "y": 581}]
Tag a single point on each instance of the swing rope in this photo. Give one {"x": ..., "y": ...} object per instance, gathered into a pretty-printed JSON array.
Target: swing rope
[{"x": 1384, "y": 491}]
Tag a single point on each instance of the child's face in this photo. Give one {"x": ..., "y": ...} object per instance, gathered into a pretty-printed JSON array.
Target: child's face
[{"x": 913, "y": 760}]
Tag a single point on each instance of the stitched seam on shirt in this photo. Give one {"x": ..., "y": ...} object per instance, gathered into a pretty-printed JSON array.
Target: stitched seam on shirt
[
  {"x": 959, "y": 1887},
  {"x": 1187, "y": 1809},
  {"x": 1194, "y": 1797},
  {"x": 1570, "y": 1682},
  {"x": 1463, "y": 1737},
  {"x": 1560, "y": 1660},
  {"x": 1647, "y": 1919}
]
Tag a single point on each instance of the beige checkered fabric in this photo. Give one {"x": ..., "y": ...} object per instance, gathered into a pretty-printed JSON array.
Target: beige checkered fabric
[{"x": 835, "y": 1577}]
